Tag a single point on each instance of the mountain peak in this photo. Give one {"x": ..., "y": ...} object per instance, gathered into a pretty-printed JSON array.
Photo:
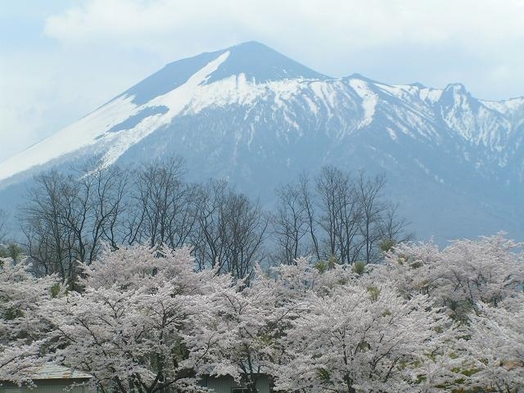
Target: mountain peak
[
  {"x": 418, "y": 85},
  {"x": 256, "y": 61},
  {"x": 259, "y": 63},
  {"x": 455, "y": 94},
  {"x": 250, "y": 45},
  {"x": 360, "y": 77},
  {"x": 457, "y": 88}
]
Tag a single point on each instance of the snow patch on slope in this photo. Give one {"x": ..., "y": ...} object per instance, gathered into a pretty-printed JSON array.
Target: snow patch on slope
[
  {"x": 392, "y": 133},
  {"x": 410, "y": 92},
  {"x": 95, "y": 128},
  {"x": 85, "y": 132},
  {"x": 238, "y": 90},
  {"x": 176, "y": 100},
  {"x": 506, "y": 107},
  {"x": 430, "y": 95},
  {"x": 369, "y": 100}
]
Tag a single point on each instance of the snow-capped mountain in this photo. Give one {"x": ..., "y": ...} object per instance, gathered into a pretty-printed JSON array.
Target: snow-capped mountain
[{"x": 454, "y": 163}]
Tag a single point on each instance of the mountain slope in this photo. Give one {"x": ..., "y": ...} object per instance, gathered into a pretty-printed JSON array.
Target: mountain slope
[{"x": 247, "y": 113}]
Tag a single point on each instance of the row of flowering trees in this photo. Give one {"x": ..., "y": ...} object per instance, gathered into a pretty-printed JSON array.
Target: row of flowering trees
[{"x": 146, "y": 320}]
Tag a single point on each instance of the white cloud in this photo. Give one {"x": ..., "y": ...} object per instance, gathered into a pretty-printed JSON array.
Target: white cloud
[
  {"x": 334, "y": 36},
  {"x": 44, "y": 92},
  {"x": 353, "y": 22},
  {"x": 159, "y": 27}
]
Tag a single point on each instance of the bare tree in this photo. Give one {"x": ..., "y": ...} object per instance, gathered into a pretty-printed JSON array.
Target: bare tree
[
  {"x": 393, "y": 228},
  {"x": 372, "y": 211},
  {"x": 289, "y": 223},
  {"x": 43, "y": 224},
  {"x": 231, "y": 230},
  {"x": 341, "y": 214},
  {"x": 3, "y": 224},
  {"x": 209, "y": 249},
  {"x": 163, "y": 205},
  {"x": 106, "y": 190},
  {"x": 308, "y": 203},
  {"x": 8, "y": 248},
  {"x": 67, "y": 217},
  {"x": 344, "y": 219}
]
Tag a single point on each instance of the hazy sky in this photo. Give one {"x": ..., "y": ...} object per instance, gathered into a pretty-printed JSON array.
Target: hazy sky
[{"x": 61, "y": 59}]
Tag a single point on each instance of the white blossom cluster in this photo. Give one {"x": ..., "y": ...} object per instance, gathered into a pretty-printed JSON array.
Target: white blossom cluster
[{"x": 145, "y": 320}]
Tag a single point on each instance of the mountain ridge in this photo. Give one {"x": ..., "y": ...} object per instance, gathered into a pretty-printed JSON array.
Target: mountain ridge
[{"x": 258, "y": 118}]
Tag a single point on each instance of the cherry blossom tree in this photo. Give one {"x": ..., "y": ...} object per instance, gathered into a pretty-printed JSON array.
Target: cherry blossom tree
[
  {"x": 23, "y": 334},
  {"x": 242, "y": 331},
  {"x": 461, "y": 275},
  {"x": 127, "y": 327},
  {"x": 497, "y": 345},
  {"x": 479, "y": 284},
  {"x": 239, "y": 334},
  {"x": 368, "y": 339},
  {"x": 326, "y": 330}
]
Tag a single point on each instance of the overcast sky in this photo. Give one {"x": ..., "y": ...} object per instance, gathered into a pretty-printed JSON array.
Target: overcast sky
[{"x": 61, "y": 59}]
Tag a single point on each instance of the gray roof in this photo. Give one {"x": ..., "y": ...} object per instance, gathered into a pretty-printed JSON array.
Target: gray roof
[{"x": 54, "y": 371}]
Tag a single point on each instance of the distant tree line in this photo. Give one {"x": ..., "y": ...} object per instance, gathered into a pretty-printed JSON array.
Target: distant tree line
[
  {"x": 67, "y": 218},
  {"x": 336, "y": 217}
]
